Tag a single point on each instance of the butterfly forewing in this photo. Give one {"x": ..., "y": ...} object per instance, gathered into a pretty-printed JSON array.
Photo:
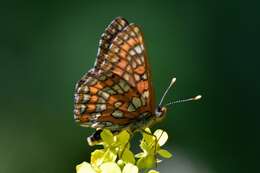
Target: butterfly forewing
[
  {"x": 116, "y": 26},
  {"x": 118, "y": 91}
]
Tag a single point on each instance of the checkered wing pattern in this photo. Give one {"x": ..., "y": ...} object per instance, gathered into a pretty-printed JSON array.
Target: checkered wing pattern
[
  {"x": 110, "y": 33},
  {"x": 118, "y": 90}
]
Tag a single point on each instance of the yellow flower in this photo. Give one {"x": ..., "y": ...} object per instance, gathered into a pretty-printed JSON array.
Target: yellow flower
[
  {"x": 108, "y": 167},
  {"x": 116, "y": 156},
  {"x": 85, "y": 167}
]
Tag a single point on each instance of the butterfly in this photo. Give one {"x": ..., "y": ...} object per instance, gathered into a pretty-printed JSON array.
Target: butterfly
[{"x": 118, "y": 93}]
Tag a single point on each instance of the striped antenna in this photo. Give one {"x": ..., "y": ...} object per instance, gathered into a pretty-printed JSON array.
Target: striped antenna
[
  {"x": 184, "y": 100},
  {"x": 166, "y": 91}
]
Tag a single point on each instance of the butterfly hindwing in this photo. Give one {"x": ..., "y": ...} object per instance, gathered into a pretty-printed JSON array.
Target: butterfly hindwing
[{"x": 106, "y": 100}]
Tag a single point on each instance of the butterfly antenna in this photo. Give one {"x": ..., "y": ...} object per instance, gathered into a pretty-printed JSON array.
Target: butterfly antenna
[
  {"x": 166, "y": 91},
  {"x": 184, "y": 100}
]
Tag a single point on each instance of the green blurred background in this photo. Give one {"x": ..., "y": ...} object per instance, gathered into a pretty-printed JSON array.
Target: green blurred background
[{"x": 212, "y": 47}]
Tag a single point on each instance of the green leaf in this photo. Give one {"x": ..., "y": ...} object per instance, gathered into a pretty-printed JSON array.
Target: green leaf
[
  {"x": 110, "y": 167},
  {"x": 140, "y": 155},
  {"x": 107, "y": 136},
  {"x": 128, "y": 156},
  {"x": 161, "y": 136},
  {"x": 130, "y": 168},
  {"x": 144, "y": 146},
  {"x": 123, "y": 137},
  {"x": 164, "y": 153},
  {"x": 148, "y": 137},
  {"x": 146, "y": 162}
]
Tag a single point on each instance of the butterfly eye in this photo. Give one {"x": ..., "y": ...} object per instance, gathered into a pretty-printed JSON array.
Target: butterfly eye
[{"x": 158, "y": 112}]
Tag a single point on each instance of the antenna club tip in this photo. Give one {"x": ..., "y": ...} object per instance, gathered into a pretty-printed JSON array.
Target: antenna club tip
[
  {"x": 198, "y": 97},
  {"x": 173, "y": 80}
]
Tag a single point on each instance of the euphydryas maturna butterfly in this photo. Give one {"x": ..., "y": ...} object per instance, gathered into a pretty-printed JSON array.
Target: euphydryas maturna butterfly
[{"x": 117, "y": 93}]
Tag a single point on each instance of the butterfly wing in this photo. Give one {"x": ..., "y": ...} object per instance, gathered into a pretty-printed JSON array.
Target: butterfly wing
[
  {"x": 118, "y": 91},
  {"x": 116, "y": 26}
]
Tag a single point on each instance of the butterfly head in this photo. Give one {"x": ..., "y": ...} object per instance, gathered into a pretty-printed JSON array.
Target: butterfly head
[{"x": 160, "y": 112}]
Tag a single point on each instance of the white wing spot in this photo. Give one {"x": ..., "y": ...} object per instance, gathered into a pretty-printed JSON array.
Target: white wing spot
[
  {"x": 137, "y": 102},
  {"x": 85, "y": 98},
  {"x": 131, "y": 108},
  {"x": 144, "y": 76},
  {"x": 100, "y": 107},
  {"x": 138, "y": 61},
  {"x": 137, "y": 77},
  {"x": 134, "y": 64},
  {"x": 145, "y": 94},
  {"x": 126, "y": 76},
  {"x": 118, "y": 104},
  {"x": 138, "y": 49},
  {"x": 126, "y": 37},
  {"x": 117, "y": 114},
  {"x": 132, "y": 52},
  {"x": 82, "y": 108},
  {"x": 103, "y": 94}
]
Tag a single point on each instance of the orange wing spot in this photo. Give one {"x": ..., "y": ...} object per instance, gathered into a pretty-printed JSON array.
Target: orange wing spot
[
  {"x": 126, "y": 47},
  {"x": 109, "y": 82},
  {"x": 122, "y": 64},
  {"x": 141, "y": 40},
  {"x": 132, "y": 42},
  {"x": 112, "y": 100},
  {"x": 118, "y": 71},
  {"x": 122, "y": 54},
  {"x": 84, "y": 118},
  {"x": 145, "y": 84},
  {"x": 142, "y": 85},
  {"x": 93, "y": 90},
  {"x": 98, "y": 85},
  {"x": 93, "y": 99},
  {"x": 140, "y": 70},
  {"x": 91, "y": 108}
]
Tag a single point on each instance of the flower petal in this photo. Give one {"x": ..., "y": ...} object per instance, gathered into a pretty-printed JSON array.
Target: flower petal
[
  {"x": 110, "y": 167},
  {"x": 84, "y": 167},
  {"x": 161, "y": 136},
  {"x": 130, "y": 168}
]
